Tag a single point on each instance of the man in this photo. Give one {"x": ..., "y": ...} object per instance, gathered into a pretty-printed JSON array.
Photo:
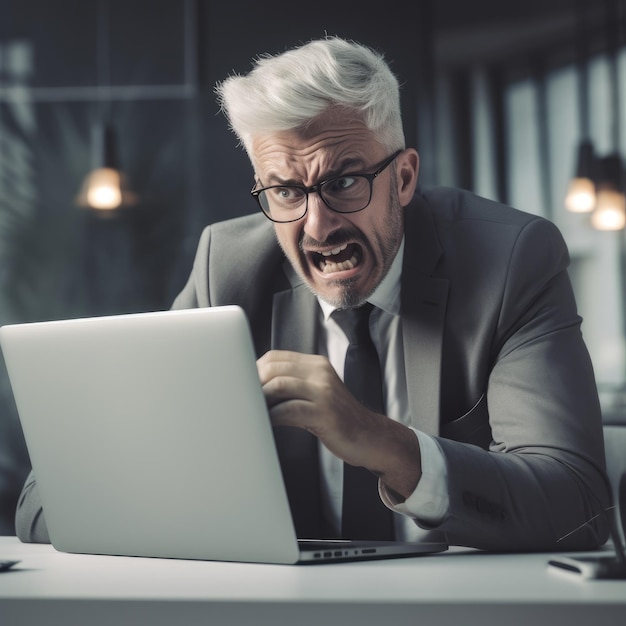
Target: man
[{"x": 490, "y": 431}]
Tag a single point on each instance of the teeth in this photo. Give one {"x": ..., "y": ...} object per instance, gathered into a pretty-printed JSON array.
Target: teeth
[
  {"x": 335, "y": 250},
  {"x": 328, "y": 267}
]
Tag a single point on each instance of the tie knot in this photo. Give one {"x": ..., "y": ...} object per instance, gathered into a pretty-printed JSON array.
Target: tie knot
[{"x": 355, "y": 323}]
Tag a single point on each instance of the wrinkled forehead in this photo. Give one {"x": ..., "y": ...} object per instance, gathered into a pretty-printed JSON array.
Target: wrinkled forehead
[{"x": 330, "y": 142}]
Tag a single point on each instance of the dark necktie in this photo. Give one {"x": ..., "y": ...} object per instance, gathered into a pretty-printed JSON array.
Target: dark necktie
[{"x": 364, "y": 516}]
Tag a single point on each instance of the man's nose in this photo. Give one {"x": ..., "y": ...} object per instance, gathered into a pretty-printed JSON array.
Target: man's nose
[{"x": 320, "y": 221}]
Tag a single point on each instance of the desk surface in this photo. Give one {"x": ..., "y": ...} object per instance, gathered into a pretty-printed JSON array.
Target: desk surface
[{"x": 457, "y": 587}]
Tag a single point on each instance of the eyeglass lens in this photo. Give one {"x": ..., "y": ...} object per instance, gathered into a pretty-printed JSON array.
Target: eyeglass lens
[{"x": 346, "y": 195}]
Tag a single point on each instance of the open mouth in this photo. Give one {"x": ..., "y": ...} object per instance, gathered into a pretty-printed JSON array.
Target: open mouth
[{"x": 339, "y": 259}]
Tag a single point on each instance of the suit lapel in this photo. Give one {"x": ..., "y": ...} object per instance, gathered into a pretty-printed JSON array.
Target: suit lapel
[
  {"x": 294, "y": 324},
  {"x": 424, "y": 299},
  {"x": 295, "y": 314}
]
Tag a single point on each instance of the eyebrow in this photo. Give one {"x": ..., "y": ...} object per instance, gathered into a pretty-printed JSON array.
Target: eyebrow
[{"x": 346, "y": 166}]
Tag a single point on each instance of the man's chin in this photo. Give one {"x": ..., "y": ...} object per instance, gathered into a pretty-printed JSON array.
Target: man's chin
[
  {"x": 341, "y": 293},
  {"x": 342, "y": 290}
]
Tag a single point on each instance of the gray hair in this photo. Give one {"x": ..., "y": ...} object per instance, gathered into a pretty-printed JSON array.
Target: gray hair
[{"x": 289, "y": 90}]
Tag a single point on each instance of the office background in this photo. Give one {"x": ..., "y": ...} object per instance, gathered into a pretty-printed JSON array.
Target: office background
[{"x": 491, "y": 98}]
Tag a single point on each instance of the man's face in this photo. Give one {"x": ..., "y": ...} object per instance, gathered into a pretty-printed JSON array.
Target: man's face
[{"x": 342, "y": 257}]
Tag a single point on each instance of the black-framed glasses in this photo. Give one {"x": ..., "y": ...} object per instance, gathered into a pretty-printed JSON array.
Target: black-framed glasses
[{"x": 348, "y": 193}]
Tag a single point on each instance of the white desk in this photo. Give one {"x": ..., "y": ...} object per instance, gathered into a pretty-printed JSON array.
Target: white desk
[{"x": 460, "y": 588}]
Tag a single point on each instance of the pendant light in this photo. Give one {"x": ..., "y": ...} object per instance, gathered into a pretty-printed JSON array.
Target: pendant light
[
  {"x": 105, "y": 187},
  {"x": 610, "y": 210},
  {"x": 581, "y": 194}
]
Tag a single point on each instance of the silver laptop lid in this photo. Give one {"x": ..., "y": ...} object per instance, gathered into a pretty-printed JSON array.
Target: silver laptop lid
[{"x": 149, "y": 436}]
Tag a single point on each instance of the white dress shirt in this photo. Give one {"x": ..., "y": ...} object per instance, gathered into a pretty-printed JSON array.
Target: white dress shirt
[{"x": 429, "y": 503}]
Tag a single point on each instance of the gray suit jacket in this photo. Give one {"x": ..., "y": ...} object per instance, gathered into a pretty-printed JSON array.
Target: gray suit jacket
[{"x": 496, "y": 366}]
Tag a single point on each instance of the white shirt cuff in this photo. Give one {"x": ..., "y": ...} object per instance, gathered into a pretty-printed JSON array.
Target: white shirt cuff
[{"x": 429, "y": 502}]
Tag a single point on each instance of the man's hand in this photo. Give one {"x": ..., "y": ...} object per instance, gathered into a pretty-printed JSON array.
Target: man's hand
[{"x": 304, "y": 390}]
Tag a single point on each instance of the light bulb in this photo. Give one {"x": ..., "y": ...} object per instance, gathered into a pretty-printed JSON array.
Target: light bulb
[
  {"x": 581, "y": 196},
  {"x": 104, "y": 189},
  {"x": 610, "y": 212}
]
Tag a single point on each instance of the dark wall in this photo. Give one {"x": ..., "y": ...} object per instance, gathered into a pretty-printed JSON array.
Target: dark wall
[{"x": 161, "y": 60}]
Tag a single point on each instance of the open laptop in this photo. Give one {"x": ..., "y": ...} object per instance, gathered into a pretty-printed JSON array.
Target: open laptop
[{"x": 149, "y": 436}]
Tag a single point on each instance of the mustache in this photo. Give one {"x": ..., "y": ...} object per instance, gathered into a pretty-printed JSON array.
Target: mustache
[{"x": 334, "y": 240}]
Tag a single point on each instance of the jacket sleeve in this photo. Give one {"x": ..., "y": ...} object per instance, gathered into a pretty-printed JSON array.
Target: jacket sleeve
[
  {"x": 195, "y": 293},
  {"x": 544, "y": 474}
]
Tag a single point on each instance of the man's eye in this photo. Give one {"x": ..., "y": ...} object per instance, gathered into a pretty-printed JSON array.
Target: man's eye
[
  {"x": 340, "y": 184},
  {"x": 287, "y": 194}
]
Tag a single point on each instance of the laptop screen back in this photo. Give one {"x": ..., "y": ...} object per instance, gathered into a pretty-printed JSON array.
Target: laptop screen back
[{"x": 149, "y": 436}]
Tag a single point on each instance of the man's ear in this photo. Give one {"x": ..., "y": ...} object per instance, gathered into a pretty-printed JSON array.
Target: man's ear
[{"x": 407, "y": 169}]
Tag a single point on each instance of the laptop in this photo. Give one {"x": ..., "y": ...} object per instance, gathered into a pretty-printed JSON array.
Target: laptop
[{"x": 149, "y": 436}]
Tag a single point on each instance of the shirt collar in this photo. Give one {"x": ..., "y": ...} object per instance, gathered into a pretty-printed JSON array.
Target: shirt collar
[{"x": 387, "y": 294}]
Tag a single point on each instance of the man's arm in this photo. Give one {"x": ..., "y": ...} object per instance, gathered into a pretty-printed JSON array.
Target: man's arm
[
  {"x": 544, "y": 475},
  {"x": 304, "y": 391}
]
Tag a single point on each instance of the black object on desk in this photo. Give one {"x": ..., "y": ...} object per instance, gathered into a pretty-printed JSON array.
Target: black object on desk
[{"x": 7, "y": 565}]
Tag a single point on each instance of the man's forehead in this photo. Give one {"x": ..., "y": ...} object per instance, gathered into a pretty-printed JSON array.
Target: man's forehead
[
  {"x": 323, "y": 146},
  {"x": 285, "y": 167}
]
